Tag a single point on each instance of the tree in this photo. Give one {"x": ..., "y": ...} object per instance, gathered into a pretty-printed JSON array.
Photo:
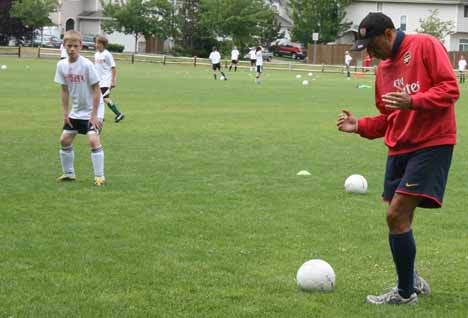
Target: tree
[
  {"x": 241, "y": 20},
  {"x": 323, "y": 16},
  {"x": 139, "y": 17},
  {"x": 195, "y": 37},
  {"x": 10, "y": 26},
  {"x": 34, "y": 14},
  {"x": 270, "y": 29},
  {"x": 435, "y": 26}
]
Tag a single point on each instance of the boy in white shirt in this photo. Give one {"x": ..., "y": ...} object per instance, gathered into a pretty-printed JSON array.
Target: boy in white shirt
[
  {"x": 462, "y": 69},
  {"x": 258, "y": 63},
  {"x": 234, "y": 59},
  {"x": 348, "y": 59},
  {"x": 80, "y": 82},
  {"x": 215, "y": 59},
  {"x": 253, "y": 58},
  {"x": 105, "y": 66}
]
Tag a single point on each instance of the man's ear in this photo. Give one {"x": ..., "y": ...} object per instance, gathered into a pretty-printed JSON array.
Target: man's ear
[{"x": 389, "y": 34}]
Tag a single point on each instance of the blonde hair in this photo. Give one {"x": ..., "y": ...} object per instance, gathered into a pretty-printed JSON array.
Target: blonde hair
[
  {"x": 71, "y": 36},
  {"x": 101, "y": 39}
]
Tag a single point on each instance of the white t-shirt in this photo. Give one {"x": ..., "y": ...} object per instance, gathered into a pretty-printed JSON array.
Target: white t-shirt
[
  {"x": 235, "y": 55},
  {"x": 259, "y": 58},
  {"x": 63, "y": 52},
  {"x": 104, "y": 63},
  {"x": 215, "y": 57},
  {"x": 348, "y": 59},
  {"x": 79, "y": 78},
  {"x": 462, "y": 65},
  {"x": 253, "y": 54}
]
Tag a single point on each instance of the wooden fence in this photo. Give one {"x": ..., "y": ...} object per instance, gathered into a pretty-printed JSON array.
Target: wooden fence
[{"x": 293, "y": 66}]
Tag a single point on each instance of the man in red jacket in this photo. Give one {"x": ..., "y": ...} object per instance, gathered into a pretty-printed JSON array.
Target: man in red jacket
[{"x": 415, "y": 92}]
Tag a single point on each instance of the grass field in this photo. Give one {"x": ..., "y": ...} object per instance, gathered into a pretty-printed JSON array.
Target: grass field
[{"x": 203, "y": 214}]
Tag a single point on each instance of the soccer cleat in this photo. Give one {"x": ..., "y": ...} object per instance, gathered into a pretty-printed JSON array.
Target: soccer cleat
[
  {"x": 119, "y": 117},
  {"x": 421, "y": 286},
  {"x": 64, "y": 178},
  {"x": 392, "y": 298},
  {"x": 99, "y": 181}
]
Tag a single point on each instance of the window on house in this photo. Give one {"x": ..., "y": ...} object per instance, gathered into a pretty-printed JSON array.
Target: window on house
[
  {"x": 379, "y": 6},
  {"x": 403, "y": 23},
  {"x": 466, "y": 12},
  {"x": 463, "y": 46}
]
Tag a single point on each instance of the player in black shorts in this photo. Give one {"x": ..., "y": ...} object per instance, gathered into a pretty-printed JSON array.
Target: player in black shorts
[
  {"x": 416, "y": 91},
  {"x": 215, "y": 59},
  {"x": 234, "y": 59}
]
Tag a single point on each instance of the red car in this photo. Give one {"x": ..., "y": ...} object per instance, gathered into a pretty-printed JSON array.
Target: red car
[{"x": 290, "y": 50}]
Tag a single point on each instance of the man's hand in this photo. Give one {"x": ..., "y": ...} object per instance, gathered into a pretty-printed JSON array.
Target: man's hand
[
  {"x": 347, "y": 122},
  {"x": 397, "y": 100},
  {"x": 95, "y": 122},
  {"x": 114, "y": 84},
  {"x": 66, "y": 120}
]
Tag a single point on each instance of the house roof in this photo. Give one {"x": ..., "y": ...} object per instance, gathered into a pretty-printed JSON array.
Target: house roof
[{"x": 91, "y": 15}]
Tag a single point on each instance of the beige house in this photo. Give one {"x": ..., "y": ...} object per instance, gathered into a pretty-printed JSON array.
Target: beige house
[
  {"x": 406, "y": 16},
  {"x": 86, "y": 16}
]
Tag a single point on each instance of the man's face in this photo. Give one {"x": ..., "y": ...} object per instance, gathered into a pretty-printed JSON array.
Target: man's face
[
  {"x": 73, "y": 48},
  {"x": 380, "y": 46}
]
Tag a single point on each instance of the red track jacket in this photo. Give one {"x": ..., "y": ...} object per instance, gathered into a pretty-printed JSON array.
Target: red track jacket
[{"x": 422, "y": 69}]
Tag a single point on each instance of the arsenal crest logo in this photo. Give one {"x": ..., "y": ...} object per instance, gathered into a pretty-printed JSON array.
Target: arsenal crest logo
[
  {"x": 407, "y": 58},
  {"x": 363, "y": 32}
]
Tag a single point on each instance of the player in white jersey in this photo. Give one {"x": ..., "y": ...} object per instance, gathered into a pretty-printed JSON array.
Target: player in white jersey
[
  {"x": 258, "y": 63},
  {"x": 63, "y": 52},
  {"x": 234, "y": 58},
  {"x": 348, "y": 59},
  {"x": 215, "y": 59},
  {"x": 462, "y": 69},
  {"x": 105, "y": 66},
  {"x": 80, "y": 82},
  {"x": 253, "y": 58}
]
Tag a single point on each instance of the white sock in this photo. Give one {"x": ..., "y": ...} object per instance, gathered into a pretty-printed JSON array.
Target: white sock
[
  {"x": 66, "y": 158},
  {"x": 97, "y": 158}
]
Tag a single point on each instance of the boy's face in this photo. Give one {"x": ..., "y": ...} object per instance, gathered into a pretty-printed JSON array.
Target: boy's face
[
  {"x": 99, "y": 46},
  {"x": 73, "y": 48}
]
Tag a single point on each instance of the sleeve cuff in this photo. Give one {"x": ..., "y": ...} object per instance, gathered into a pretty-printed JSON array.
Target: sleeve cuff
[
  {"x": 416, "y": 101},
  {"x": 359, "y": 126}
]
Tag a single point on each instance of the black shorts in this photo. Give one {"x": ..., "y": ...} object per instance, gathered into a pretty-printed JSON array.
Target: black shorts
[
  {"x": 234, "y": 61},
  {"x": 105, "y": 91},
  {"x": 80, "y": 126},
  {"x": 217, "y": 66},
  {"x": 259, "y": 68},
  {"x": 253, "y": 62},
  {"x": 420, "y": 173}
]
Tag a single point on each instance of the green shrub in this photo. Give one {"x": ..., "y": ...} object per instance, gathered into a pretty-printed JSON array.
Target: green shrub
[{"x": 112, "y": 47}]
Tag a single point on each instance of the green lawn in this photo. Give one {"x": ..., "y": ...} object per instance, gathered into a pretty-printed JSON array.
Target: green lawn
[{"x": 203, "y": 214}]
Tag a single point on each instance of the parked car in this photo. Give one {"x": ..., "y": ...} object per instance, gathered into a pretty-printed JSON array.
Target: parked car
[
  {"x": 47, "y": 41},
  {"x": 88, "y": 42},
  {"x": 267, "y": 55},
  {"x": 293, "y": 51}
]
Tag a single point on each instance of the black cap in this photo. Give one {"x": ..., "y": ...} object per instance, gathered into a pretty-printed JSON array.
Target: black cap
[{"x": 374, "y": 24}]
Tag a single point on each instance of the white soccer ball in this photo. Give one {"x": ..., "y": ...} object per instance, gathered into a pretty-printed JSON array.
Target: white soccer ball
[
  {"x": 222, "y": 78},
  {"x": 4, "y": 67},
  {"x": 298, "y": 76},
  {"x": 305, "y": 82},
  {"x": 356, "y": 184},
  {"x": 315, "y": 275},
  {"x": 311, "y": 74}
]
